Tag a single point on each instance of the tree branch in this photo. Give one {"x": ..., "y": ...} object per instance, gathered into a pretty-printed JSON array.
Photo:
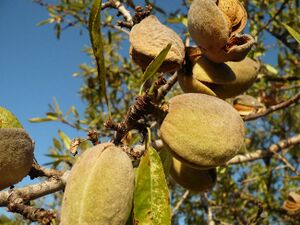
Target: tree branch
[
  {"x": 273, "y": 108},
  {"x": 260, "y": 154},
  {"x": 256, "y": 155},
  {"x": 39, "y": 171},
  {"x": 122, "y": 10},
  {"x": 18, "y": 203},
  {"x": 35, "y": 191}
]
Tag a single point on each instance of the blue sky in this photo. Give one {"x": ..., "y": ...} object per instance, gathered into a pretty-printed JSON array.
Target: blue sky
[{"x": 35, "y": 67}]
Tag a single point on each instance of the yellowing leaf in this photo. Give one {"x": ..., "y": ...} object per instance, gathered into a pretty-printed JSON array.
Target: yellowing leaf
[
  {"x": 8, "y": 119},
  {"x": 151, "y": 196},
  {"x": 271, "y": 69}
]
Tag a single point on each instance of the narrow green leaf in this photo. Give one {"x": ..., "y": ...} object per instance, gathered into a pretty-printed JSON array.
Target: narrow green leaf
[
  {"x": 74, "y": 111},
  {"x": 54, "y": 114},
  {"x": 65, "y": 139},
  {"x": 221, "y": 170},
  {"x": 294, "y": 33},
  {"x": 154, "y": 66},
  {"x": 97, "y": 45},
  {"x": 63, "y": 157},
  {"x": 53, "y": 164},
  {"x": 56, "y": 107},
  {"x": 53, "y": 118},
  {"x": 44, "y": 22},
  {"x": 151, "y": 196},
  {"x": 38, "y": 120},
  {"x": 243, "y": 149},
  {"x": 57, "y": 144}
]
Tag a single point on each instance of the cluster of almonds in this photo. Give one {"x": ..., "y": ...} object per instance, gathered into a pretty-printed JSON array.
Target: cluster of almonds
[
  {"x": 201, "y": 130},
  {"x": 16, "y": 150}
]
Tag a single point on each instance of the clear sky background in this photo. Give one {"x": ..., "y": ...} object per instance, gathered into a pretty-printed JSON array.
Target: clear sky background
[{"x": 35, "y": 67}]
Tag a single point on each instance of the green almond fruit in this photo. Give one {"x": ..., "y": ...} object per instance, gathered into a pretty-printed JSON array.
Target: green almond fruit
[
  {"x": 194, "y": 180},
  {"x": 16, "y": 156},
  {"x": 8, "y": 119},
  {"x": 149, "y": 38},
  {"x": 224, "y": 80},
  {"x": 100, "y": 187},
  {"x": 202, "y": 131}
]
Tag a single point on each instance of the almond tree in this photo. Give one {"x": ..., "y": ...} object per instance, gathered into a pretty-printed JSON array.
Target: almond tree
[{"x": 176, "y": 105}]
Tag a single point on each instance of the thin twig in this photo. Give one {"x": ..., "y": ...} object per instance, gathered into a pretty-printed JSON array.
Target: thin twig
[
  {"x": 281, "y": 8},
  {"x": 41, "y": 3},
  {"x": 116, "y": 27},
  {"x": 278, "y": 78},
  {"x": 257, "y": 219},
  {"x": 208, "y": 209},
  {"x": 290, "y": 87},
  {"x": 273, "y": 108},
  {"x": 122, "y": 10},
  {"x": 260, "y": 154},
  {"x": 64, "y": 121},
  {"x": 285, "y": 161},
  {"x": 105, "y": 5},
  {"x": 162, "y": 92},
  {"x": 179, "y": 203},
  {"x": 185, "y": 4},
  {"x": 284, "y": 38}
]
